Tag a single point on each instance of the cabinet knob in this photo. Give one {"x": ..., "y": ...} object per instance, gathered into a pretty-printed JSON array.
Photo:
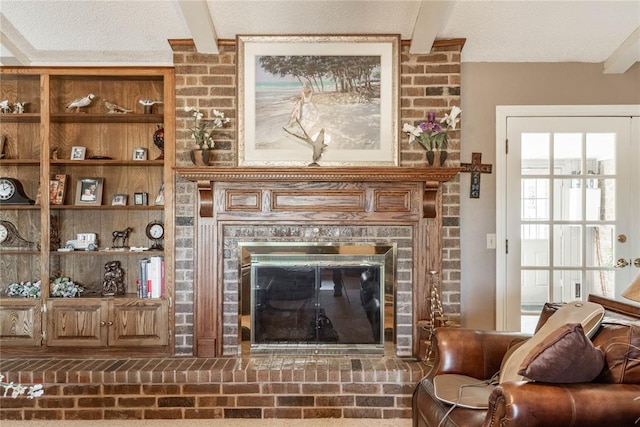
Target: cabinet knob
[
  {"x": 103, "y": 323},
  {"x": 110, "y": 323}
]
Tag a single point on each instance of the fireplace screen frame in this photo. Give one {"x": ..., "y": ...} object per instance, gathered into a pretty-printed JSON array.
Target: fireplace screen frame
[{"x": 380, "y": 258}]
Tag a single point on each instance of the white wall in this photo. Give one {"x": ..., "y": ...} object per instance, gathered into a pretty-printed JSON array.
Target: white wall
[{"x": 484, "y": 86}]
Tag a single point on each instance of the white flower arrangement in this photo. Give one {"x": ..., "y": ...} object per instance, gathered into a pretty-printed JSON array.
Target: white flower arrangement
[
  {"x": 14, "y": 390},
  {"x": 64, "y": 287},
  {"x": 430, "y": 134},
  {"x": 202, "y": 129},
  {"x": 24, "y": 290}
]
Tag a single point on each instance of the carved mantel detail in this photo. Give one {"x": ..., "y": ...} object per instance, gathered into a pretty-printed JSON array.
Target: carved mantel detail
[
  {"x": 377, "y": 196},
  {"x": 432, "y": 177}
]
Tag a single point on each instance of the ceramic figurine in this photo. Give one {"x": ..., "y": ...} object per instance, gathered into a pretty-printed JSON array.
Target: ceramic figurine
[
  {"x": 80, "y": 102},
  {"x": 4, "y": 107},
  {"x": 18, "y": 107},
  {"x": 113, "y": 108},
  {"x": 158, "y": 140}
]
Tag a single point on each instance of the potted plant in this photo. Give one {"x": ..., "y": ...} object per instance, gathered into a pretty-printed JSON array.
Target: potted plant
[
  {"x": 24, "y": 290},
  {"x": 201, "y": 132},
  {"x": 432, "y": 136},
  {"x": 65, "y": 288}
]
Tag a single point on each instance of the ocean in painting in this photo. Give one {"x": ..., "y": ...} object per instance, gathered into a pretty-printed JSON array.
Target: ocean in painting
[{"x": 351, "y": 121}]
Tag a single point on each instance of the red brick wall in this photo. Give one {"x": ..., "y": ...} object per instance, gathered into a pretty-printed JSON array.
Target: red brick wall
[{"x": 428, "y": 82}]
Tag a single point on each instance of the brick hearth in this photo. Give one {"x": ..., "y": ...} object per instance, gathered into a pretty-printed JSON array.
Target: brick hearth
[{"x": 191, "y": 388}]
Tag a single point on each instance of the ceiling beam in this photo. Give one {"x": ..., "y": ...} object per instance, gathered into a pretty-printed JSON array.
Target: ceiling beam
[
  {"x": 196, "y": 14},
  {"x": 18, "y": 56},
  {"x": 432, "y": 17},
  {"x": 625, "y": 56}
]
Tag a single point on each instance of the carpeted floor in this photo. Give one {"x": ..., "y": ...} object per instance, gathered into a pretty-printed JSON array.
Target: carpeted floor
[{"x": 324, "y": 422}]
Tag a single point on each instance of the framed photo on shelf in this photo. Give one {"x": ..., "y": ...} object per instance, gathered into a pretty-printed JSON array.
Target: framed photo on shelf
[
  {"x": 89, "y": 191},
  {"x": 292, "y": 106},
  {"x": 141, "y": 199},
  {"x": 78, "y": 153},
  {"x": 57, "y": 189},
  {"x": 160, "y": 197},
  {"x": 139, "y": 153},
  {"x": 119, "y": 200}
]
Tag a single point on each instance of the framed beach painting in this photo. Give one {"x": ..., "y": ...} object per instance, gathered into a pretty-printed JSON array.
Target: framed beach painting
[{"x": 318, "y": 100}]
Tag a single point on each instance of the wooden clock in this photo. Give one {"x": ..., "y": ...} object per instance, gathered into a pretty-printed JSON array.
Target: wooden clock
[
  {"x": 11, "y": 239},
  {"x": 155, "y": 232},
  {"x": 12, "y": 192}
]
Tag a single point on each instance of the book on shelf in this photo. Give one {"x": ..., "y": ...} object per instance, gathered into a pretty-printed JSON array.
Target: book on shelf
[{"x": 152, "y": 277}]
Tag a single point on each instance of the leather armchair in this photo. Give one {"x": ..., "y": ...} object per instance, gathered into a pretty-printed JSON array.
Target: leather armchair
[{"x": 608, "y": 401}]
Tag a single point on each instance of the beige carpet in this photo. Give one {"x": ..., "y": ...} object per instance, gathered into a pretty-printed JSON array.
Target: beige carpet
[{"x": 325, "y": 422}]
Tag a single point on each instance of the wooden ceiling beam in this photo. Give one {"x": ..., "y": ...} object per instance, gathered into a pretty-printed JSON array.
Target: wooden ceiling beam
[
  {"x": 625, "y": 56},
  {"x": 198, "y": 17},
  {"x": 432, "y": 17}
]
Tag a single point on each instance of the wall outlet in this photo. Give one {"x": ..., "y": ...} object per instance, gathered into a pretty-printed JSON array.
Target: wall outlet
[{"x": 491, "y": 241}]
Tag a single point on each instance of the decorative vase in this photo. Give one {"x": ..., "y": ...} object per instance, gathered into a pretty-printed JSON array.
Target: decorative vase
[
  {"x": 158, "y": 140},
  {"x": 442, "y": 157},
  {"x": 201, "y": 157}
]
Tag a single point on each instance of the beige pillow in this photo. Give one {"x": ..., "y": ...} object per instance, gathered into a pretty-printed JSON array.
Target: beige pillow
[{"x": 565, "y": 356}]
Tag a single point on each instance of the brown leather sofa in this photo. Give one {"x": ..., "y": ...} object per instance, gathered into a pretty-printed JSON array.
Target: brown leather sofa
[{"x": 612, "y": 399}]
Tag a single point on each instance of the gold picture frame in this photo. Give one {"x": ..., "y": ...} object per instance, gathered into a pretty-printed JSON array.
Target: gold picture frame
[{"x": 284, "y": 115}]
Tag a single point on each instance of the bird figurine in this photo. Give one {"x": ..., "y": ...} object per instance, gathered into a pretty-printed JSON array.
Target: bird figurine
[
  {"x": 317, "y": 144},
  {"x": 4, "y": 106},
  {"x": 113, "y": 108},
  {"x": 81, "y": 102}
]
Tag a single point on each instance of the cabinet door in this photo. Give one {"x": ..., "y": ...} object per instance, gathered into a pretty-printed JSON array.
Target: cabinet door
[
  {"x": 76, "y": 322},
  {"x": 20, "y": 322},
  {"x": 139, "y": 322}
]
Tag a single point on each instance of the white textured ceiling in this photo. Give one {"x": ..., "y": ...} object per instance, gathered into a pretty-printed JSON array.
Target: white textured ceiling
[{"x": 125, "y": 32}]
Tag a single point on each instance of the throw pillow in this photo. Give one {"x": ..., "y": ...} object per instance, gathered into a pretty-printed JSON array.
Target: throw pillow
[{"x": 565, "y": 356}]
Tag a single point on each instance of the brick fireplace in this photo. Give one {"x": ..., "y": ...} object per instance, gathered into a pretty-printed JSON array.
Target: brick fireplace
[
  {"x": 428, "y": 82},
  {"x": 393, "y": 206}
]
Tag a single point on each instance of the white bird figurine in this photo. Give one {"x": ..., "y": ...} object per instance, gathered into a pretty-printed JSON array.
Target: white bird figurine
[
  {"x": 113, "y": 108},
  {"x": 4, "y": 106},
  {"x": 81, "y": 102}
]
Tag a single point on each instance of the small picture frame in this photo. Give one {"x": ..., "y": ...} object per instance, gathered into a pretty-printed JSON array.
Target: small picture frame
[
  {"x": 160, "y": 197},
  {"x": 141, "y": 199},
  {"x": 89, "y": 191},
  {"x": 119, "y": 200},
  {"x": 78, "y": 153},
  {"x": 57, "y": 189},
  {"x": 139, "y": 153}
]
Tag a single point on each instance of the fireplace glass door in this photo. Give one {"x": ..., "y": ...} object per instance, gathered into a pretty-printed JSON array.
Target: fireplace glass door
[{"x": 327, "y": 301}]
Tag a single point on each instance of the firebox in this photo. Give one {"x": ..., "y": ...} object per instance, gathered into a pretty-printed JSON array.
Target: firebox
[{"x": 317, "y": 298}]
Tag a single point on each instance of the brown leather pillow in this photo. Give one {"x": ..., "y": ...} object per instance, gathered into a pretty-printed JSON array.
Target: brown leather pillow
[{"x": 565, "y": 356}]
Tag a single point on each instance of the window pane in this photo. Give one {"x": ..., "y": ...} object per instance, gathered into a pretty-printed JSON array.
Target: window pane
[
  {"x": 567, "y": 245},
  {"x": 607, "y": 199},
  {"x": 535, "y": 289},
  {"x": 535, "y": 199},
  {"x": 600, "y": 242},
  {"x": 534, "y": 153},
  {"x": 568, "y": 200},
  {"x": 567, "y": 285},
  {"x": 600, "y": 154},
  {"x": 567, "y": 152},
  {"x": 534, "y": 249},
  {"x": 601, "y": 283}
]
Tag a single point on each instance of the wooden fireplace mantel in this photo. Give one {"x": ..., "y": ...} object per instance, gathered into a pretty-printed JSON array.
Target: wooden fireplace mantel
[{"x": 432, "y": 177}]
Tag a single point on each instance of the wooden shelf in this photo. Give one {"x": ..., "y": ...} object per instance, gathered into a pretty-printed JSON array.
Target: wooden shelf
[
  {"x": 19, "y": 162},
  {"x": 107, "y": 162},
  {"x": 108, "y": 207},
  {"x": 20, "y": 118},
  {"x": 106, "y": 118}
]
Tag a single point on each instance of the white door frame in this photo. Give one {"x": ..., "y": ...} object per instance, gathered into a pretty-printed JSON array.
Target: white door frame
[{"x": 502, "y": 113}]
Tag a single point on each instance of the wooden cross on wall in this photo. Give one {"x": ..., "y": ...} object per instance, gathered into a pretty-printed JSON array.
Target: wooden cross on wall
[{"x": 476, "y": 168}]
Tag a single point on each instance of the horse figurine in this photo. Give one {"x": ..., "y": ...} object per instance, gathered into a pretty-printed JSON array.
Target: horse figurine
[{"x": 123, "y": 235}]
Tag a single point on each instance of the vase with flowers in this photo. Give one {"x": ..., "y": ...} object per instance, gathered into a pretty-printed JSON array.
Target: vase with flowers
[
  {"x": 432, "y": 135},
  {"x": 201, "y": 133}
]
